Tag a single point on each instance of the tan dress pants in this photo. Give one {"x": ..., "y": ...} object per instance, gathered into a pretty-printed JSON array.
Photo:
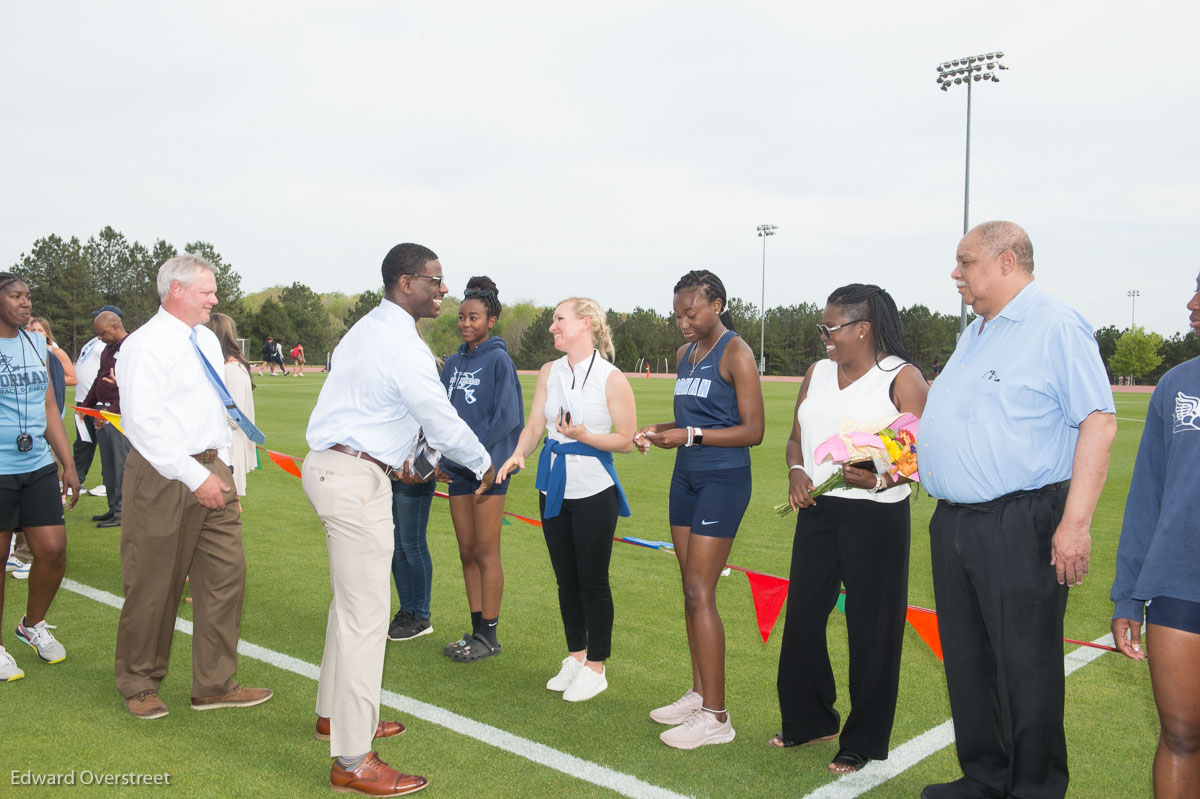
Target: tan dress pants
[
  {"x": 353, "y": 499},
  {"x": 167, "y": 535}
]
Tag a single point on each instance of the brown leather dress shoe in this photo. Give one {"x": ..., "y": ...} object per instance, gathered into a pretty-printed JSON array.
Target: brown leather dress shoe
[
  {"x": 373, "y": 777},
  {"x": 237, "y": 696},
  {"x": 385, "y": 729},
  {"x": 146, "y": 705}
]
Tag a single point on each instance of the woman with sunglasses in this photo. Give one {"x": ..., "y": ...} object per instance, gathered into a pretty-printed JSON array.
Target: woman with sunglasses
[
  {"x": 857, "y": 536},
  {"x": 482, "y": 384},
  {"x": 718, "y": 416},
  {"x": 585, "y": 406}
]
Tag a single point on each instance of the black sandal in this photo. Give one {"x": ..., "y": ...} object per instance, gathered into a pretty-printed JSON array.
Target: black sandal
[
  {"x": 476, "y": 647},
  {"x": 853, "y": 761}
]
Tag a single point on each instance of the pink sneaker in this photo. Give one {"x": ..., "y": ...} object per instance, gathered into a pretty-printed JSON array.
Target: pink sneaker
[
  {"x": 678, "y": 711},
  {"x": 700, "y": 728}
]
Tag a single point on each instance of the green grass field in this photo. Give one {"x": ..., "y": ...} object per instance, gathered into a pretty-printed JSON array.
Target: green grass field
[{"x": 70, "y": 717}]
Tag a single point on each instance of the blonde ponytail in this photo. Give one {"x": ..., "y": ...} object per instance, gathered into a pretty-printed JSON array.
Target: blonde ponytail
[{"x": 589, "y": 309}]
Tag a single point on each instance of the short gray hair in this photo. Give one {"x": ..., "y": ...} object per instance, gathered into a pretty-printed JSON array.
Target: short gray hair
[
  {"x": 181, "y": 269},
  {"x": 999, "y": 236}
]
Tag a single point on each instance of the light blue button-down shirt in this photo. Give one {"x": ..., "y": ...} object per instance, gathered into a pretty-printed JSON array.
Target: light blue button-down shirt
[
  {"x": 383, "y": 390},
  {"x": 1004, "y": 413}
]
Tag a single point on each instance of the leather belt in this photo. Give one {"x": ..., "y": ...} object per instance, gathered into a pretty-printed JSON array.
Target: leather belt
[
  {"x": 207, "y": 456},
  {"x": 354, "y": 453},
  {"x": 993, "y": 505}
]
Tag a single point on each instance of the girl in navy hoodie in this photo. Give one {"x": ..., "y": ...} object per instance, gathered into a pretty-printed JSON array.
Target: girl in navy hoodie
[{"x": 482, "y": 385}]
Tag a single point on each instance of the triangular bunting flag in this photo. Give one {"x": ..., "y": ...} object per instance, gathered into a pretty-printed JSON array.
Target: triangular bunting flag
[
  {"x": 841, "y": 602},
  {"x": 114, "y": 419},
  {"x": 284, "y": 462},
  {"x": 505, "y": 522},
  {"x": 769, "y": 593},
  {"x": 925, "y": 623}
]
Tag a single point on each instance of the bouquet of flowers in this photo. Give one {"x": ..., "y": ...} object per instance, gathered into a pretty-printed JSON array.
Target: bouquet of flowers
[{"x": 892, "y": 450}]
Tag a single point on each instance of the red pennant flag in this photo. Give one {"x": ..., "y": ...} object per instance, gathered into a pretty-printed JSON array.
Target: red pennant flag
[
  {"x": 925, "y": 623},
  {"x": 769, "y": 592},
  {"x": 284, "y": 462}
]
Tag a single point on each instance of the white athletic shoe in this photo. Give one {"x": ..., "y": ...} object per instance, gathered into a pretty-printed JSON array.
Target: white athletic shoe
[
  {"x": 42, "y": 641},
  {"x": 699, "y": 729},
  {"x": 13, "y": 564},
  {"x": 678, "y": 711},
  {"x": 586, "y": 684},
  {"x": 566, "y": 675},
  {"x": 9, "y": 670},
  {"x": 98, "y": 491},
  {"x": 22, "y": 571}
]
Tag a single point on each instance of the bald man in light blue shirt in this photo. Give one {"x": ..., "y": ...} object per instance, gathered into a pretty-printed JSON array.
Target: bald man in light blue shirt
[{"x": 1014, "y": 443}]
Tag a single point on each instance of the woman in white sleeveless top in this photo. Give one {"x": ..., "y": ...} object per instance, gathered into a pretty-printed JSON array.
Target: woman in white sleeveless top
[
  {"x": 857, "y": 536},
  {"x": 587, "y": 407}
]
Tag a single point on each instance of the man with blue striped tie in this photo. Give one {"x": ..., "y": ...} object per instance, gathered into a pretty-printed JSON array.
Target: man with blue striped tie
[{"x": 180, "y": 514}]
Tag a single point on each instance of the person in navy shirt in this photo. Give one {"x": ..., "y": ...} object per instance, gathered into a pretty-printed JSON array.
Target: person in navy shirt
[
  {"x": 718, "y": 417},
  {"x": 1158, "y": 569},
  {"x": 482, "y": 385},
  {"x": 1014, "y": 443}
]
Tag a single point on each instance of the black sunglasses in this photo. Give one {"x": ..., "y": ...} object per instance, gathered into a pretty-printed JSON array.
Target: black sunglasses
[{"x": 484, "y": 293}]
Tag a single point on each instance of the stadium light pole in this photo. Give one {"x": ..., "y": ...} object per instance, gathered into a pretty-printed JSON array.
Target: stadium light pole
[
  {"x": 1133, "y": 294},
  {"x": 763, "y": 232},
  {"x": 969, "y": 70}
]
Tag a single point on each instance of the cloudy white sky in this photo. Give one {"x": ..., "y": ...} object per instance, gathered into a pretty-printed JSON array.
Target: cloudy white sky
[{"x": 607, "y": 148}]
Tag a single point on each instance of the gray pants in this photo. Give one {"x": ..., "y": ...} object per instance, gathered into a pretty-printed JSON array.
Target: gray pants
[{"x": 114, "y": 449}]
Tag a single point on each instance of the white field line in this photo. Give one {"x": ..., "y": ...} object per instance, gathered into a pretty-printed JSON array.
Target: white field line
[
  {"x": 624, "y": 784},
  {"x": 911, "y": 752},
  {"x": 1124, "y": 419}
]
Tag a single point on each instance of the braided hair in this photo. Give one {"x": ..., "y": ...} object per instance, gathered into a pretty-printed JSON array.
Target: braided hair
[
  {"x": 713, "y": 289},
  {"x": 868, "y": 302},
  {"x": 483, "y": 288},
  {"x": 8, "y": 278}
]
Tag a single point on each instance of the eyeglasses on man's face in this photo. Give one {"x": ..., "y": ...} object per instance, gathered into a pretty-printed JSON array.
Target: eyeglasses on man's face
[
  {"x": 827, "y": 332},
  {"x": 437, "y": 279}
]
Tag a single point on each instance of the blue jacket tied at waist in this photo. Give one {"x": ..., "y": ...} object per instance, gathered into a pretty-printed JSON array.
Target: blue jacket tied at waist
[{"x": 553, "y": 479}]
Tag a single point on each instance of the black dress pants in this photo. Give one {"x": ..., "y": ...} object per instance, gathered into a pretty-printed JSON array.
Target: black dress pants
[
  {"x": 580, "y": 540},
  {"x": 1000, "y": 616},
  {"x": 864, "y": 545}
]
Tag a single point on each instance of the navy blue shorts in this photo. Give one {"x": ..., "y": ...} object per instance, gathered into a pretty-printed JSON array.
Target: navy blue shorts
[
  {"x": 711, "y": 502},
  {"x": 468, "y": 485},
  {"x": 1178, "y": 614}
]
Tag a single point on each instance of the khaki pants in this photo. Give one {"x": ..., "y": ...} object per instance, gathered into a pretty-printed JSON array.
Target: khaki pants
[
  {"x": 167, "y": 535},
  {"x": 353, "y": 499}
]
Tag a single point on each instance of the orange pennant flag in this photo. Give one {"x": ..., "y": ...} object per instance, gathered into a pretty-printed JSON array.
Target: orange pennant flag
[
  {"x": 926, "y": 624},
  {"x": 284, "y": 462},
  {"x": 769, "y": 593}
]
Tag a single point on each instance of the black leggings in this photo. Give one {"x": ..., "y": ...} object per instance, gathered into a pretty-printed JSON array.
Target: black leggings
[{"x": 580, "y": 540}]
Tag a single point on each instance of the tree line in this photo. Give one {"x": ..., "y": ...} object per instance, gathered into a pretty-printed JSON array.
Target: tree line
[{"x": 69, "y": 279}]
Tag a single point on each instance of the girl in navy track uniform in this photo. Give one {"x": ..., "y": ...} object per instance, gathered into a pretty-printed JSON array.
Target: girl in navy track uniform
[{"x": 718, "y": 417}]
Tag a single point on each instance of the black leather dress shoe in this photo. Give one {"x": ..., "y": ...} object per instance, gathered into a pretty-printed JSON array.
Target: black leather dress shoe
[
  {"x": 113, "y": 521},
  {"x": 102, "y": 517}
]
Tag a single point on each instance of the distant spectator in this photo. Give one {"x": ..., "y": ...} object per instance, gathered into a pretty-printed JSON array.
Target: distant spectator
[
  {"x": 241, "y": 386},
  {"x": 38, "y": 324},
  {"x": 104, "y": 395},
  {"x": 298, "y": 358}
]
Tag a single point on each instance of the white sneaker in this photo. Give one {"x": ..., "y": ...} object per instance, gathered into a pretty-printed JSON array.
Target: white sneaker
[
  {"x": 586, "y": 684},
  {"x": 13, "y": 564},
  {"x": 566, "y": 675},
  {"x": 98, "y": 491},
  {"x": 41, "y": 640},
  {"x": 678, "y": 711},
  {"x": 699, "y": 729},
  {"x": 9, "y": 670},
  {"x": 22, "y": 571}
]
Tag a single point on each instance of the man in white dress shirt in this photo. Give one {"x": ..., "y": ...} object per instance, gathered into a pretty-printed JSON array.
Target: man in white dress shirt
[
  {"x": 383, "y": 392},
  {"x": 180, "y": 513}
]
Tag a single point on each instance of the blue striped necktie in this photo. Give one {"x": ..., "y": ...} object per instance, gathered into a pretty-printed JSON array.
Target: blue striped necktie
[{"x": 235, "y": 413}]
